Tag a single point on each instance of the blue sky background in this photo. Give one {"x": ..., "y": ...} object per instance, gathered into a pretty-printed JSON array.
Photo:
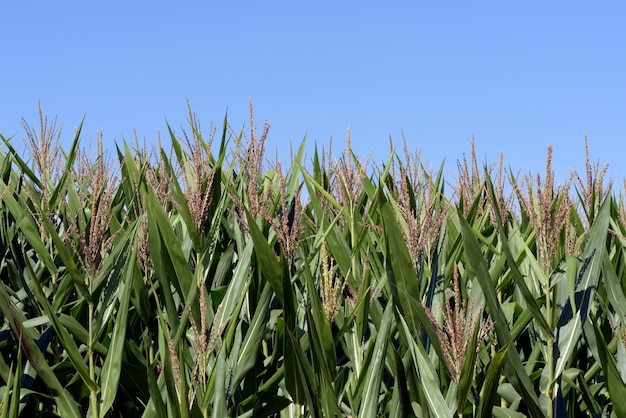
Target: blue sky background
[{"x": 517, "y": 75}]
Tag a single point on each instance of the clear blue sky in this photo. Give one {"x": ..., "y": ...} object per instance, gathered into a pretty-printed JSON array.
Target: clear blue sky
[{"x": 517, "y": 75}]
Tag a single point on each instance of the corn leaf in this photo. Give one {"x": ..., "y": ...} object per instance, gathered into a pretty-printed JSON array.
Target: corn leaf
[
  {"x": 616, "y": 386},
  {"x": 373, "y": 375},
  {"x": 490, "y": 385},
  {"x": 111, "y": 369},
  {"x": 514, "y": 370},
  {"x": 427, "y": 373},
  {"x": 68, "y": 407}
]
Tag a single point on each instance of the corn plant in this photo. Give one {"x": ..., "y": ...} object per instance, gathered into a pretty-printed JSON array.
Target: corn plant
[{"x": 203, "y": 279}]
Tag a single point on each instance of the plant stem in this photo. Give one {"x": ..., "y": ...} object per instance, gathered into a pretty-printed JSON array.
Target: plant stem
[
  {"x": 549, "y": 349},
  {"x": 92, "y": 368}
]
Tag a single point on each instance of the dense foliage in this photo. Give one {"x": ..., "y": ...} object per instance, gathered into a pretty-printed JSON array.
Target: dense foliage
[{"x": 193, "y": 282}]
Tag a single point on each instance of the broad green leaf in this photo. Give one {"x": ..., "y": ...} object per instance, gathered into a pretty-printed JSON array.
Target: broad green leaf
[
  {"x": 369, "y": 405},
  {"x": 614, "y": 290},
  {"x": 176, "y": 190},
  {"x": 532, "y": 305},
  {"x": 304, "y": 375},
  {"x": 66, "y": 404},
  {"x": 321, "y": 333},
  {"x": 400, "y": 400},
  {"x": 156, "y": 406},
  {"x": 514, "y": 369},
  {"x": 570, "y": 323},
  {"x": 181, "y": 277},
  {"x": 616, "y": 386},
  {"x": 111, "y": 370},
  {"x": 322, "y": 368},
  {"x": 427, "y": 376},
  {"x": 270, "y": 409},
  {"x": 70, "y": 159},
  {"x": 268, "y": 264},
  {"x": 219, "y": 399},
  {"x": 64, "y": 337},
  {"x": 77, "y": 331},
  {"x": 500, "y": 412},
  {"x": 14, "y": 382},
  {"x": 75, "y": 274},
  {"x": 170, "y": 374},
  {"x": 254, "y": 337},
  {"x": 27, "y": 226},
  {"x": 466, "y": 379},
  {"x": 237, "y": 288},
  {"x": 492, "y": 380},
  {"x": 403, "y": 280}
]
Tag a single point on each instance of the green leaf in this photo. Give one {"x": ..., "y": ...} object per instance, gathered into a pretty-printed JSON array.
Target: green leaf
[
  {"x": 176, "y": 190},
  {"x": 268, "y": 263},
  {"x": 403, "y": 279},
  {"x": 169, "y": 373},
  {"x": 400, "y": 401},
  {"x": 500, "y": 412},
  {"x": 531, "y": 303},
  {"x": 236, "y": 290},
  {"x": 492, "y": 381},
  {"x": 427, "y": 375},
  {"x": 181, "y": 277},
  {"x": 254, "y": 337},
  {"x": 78, "y": 331},
  {"x": 369, "y": 405},
  {"x": 613, "y": 286},
  {"x": 325, "y": 372},
  {"x": 111, "y": 370},
  {"x": 219, "y": 399},
  {"x": 467, "y": 370},
  {"x": 68, "y": 407},
  {"x": 156, "y": 406},
  {"x": 616, "y": 386},
  {"x": 575, "y": 312},
  {"x": 78, "y": 278},
  {"x": 320, "y": 328},
  {"x": 65, "y": 338},
  {"x": 14, "y": 405},
  {"x": 26, "y": 224},
  {"x": 67, "y": 174},
  {"x": 304, "y": 374},
  {"x": 514, "y": 369}
]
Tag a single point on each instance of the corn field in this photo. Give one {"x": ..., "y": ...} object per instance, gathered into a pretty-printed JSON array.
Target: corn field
[{"x": 205, "y": 280}]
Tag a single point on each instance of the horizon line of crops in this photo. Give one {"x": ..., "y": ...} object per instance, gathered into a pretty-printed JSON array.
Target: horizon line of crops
[{"x": 192, "y": 282}]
